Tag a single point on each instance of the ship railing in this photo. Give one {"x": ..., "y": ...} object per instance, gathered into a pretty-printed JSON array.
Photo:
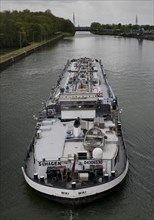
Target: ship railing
[
  {"x": 56, "y": 88},
  {"x": 110, "y": 91},
  {"x": 30, "y": 149},
  {"x": 99, "y": 177}
]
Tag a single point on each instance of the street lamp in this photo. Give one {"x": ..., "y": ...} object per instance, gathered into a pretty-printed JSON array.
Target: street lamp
[
  {"x": 45, "y": 35},
  {"x": 20, "y": 39},
  {"x": 34, "y": 35}
]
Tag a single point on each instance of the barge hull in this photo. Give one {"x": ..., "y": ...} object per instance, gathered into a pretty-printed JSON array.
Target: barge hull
[{"x": 76, "y": 201}]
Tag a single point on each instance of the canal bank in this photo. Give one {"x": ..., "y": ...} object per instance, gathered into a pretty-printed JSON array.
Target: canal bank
[
  {"x": 139, "y": 37},
  {"x": 19, "y": 54}
]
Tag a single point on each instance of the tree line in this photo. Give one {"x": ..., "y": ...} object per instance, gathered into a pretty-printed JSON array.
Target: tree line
[
  {"x": 21, "y": 28},
  {"x": 120, "y": 29}
]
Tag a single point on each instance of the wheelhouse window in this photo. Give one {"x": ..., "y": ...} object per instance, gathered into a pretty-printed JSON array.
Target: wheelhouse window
[{"x": 77, "y": 105}]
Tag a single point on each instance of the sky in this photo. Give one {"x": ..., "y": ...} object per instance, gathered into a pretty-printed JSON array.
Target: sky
[{"x": 88, "y": 11}]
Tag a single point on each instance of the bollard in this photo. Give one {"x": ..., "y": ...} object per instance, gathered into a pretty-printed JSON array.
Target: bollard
[
  {"x": 73, "y": 185},
  {"x": 113, "y": 173},
  {"x": 36, "y": 176},
  {"x": 42, "y": 179},
  {"x": 106, "y": 175}
]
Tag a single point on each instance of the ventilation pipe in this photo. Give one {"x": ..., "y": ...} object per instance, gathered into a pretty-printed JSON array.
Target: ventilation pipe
[{"x": 77, "y": 128}]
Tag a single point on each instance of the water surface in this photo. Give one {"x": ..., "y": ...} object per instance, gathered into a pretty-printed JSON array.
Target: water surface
[{"x": 24, "y": 85}]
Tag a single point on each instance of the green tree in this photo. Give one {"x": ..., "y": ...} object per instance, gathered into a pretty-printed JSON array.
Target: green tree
[
  {"x": 96, "y": 26},
  {"x": 18, "y": 28}
]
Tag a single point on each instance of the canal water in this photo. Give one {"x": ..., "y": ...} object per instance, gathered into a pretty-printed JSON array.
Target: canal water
[{"x": 26, "y": 84}]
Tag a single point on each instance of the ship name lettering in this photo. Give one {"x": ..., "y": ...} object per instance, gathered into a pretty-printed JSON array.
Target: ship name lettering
[
  {"x": 65, "y": 193},
  {"x": 50, "y": 163}
]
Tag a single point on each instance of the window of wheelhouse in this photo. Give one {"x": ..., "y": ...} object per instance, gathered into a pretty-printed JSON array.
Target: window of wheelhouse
[{"x": 77, "y": 105}]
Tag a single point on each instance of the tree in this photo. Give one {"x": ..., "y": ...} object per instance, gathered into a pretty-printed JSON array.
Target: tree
[
  {"x": 96, "y": 26},
  {"x": 22, "y": 27}
]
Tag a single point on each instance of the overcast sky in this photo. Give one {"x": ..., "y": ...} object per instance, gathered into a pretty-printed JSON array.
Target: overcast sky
[{"x": 88, "y": 11}]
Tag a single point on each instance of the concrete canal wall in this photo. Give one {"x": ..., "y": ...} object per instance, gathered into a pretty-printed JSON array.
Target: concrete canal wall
[{"x": 20, "y": 55}]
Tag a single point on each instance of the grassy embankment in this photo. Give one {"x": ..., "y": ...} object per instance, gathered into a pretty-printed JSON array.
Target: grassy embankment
[
  {"x": 30, "y": 47},
  {"x": 23, "y": 50},
  {"x": 17, "y": 52}
]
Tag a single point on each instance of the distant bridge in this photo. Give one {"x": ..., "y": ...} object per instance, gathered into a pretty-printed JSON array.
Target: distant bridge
[{"x": 84, "y": 29}]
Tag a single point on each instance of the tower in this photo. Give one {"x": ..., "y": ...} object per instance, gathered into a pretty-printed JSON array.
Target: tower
[
  {"x": 136, "y": 21},
  {"x": 73, "y": 18}
]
